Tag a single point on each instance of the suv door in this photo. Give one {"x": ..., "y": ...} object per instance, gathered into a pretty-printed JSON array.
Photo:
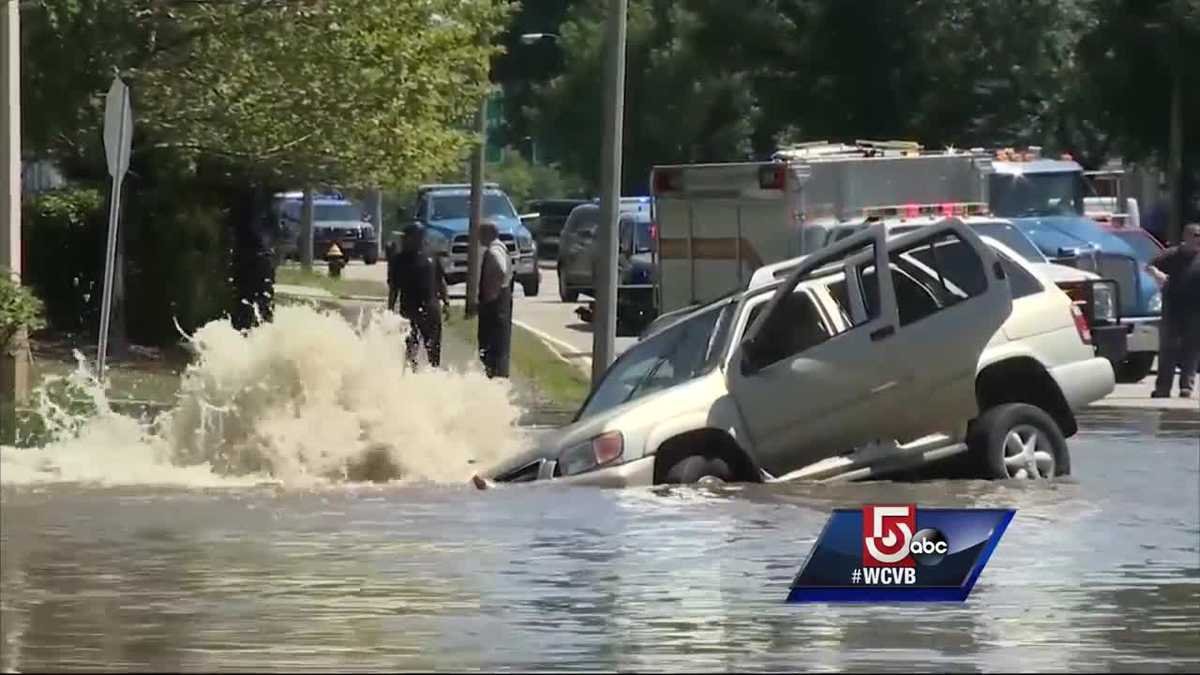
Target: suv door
[
  {"x": 952, "y": 295},
  {"x": 848, "y": 390},
  {"x": 805, "y": 395}
]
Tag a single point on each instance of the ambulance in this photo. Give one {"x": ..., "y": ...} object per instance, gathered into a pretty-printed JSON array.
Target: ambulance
[{"x": 718, "y": 223}]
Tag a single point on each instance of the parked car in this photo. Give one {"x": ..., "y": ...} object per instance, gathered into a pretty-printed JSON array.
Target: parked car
[
  {"x": 1097, "y": 298},
  {"x": 813, "y": 370},
  {"x": 444, "y": 211},
  {"x": 336, "y": 220},
  {"x": 577, "y": 259},
  {"x": 548, "y": 224}
]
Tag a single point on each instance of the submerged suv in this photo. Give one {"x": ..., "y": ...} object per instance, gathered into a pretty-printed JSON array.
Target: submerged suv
[
  {"x": 822, "y": 369},
  {"x": 445, "y": 212}
]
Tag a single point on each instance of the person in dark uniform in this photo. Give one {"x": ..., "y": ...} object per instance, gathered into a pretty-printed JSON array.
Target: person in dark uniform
[
  {"x": 1178, "y": 269},
  {"x": 495, "y": 302},
  {"x": 417, "y": 280}
]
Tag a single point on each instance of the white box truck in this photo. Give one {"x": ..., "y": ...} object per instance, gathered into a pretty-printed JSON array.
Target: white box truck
[{"x": 718, "y": 223}]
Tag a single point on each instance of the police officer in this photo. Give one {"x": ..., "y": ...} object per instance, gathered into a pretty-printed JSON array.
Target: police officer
[
  {"x": 495, "y": 302},
  {"x": 1178, "y": 270},
  {"x": 417, "y": 279}
]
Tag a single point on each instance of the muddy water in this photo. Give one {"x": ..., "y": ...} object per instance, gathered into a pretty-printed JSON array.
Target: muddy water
[{"x": 1099, "y": 572}]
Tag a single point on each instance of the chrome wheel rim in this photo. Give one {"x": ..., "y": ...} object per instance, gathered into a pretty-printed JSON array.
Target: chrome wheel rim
[{"x": 1028, "y": 454}]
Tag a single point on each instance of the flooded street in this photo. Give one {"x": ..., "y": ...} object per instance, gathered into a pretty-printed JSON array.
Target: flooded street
[{"x": 1099, "y": 572}]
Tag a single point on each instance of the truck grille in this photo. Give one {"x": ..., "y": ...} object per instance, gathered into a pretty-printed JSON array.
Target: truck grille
[
  {"x": 1124, "y": 271},
  {"x": 459, "y": 247},
  {"x": 327, "y": 233}
]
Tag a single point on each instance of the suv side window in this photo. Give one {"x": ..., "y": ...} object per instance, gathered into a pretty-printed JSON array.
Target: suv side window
[
  {"x": 1021, "y": 282},
  {"x": 931, "y": 275},
  {"x": 795, "y": 327}
]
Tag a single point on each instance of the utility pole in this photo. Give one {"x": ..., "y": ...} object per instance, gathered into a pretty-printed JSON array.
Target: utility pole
[
  {"x": 473, "y": 258},
  {"x": 14, "y": 362},
  {"x": 306, "y": 230},
  {"x": 1175, "y": 155},
  {"x": 604, "y": 324}
]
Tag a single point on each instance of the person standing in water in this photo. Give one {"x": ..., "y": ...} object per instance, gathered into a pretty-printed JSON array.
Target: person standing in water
[
  {"x": 495, "y": 302},
  {"x": 417, "y": 279}
]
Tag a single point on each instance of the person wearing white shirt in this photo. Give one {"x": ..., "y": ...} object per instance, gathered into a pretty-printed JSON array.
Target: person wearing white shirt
[{"x": 495, "y": 302}]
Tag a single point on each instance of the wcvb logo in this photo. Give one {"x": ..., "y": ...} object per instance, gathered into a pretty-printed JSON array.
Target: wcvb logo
[{"x": 888, "y": 534}]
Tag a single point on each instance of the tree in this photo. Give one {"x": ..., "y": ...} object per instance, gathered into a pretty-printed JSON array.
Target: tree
[{"x": 679, "y": 107}]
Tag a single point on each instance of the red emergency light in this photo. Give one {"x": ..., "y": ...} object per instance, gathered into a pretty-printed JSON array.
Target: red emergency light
[
  {"x": 668, "y": 180},
  {"x": 772, "y": 177},
  {"x": 911, "y": 210}
]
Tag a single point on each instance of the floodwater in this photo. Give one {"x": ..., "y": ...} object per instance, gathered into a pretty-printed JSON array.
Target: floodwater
[{"x": 1099, "y": 572}]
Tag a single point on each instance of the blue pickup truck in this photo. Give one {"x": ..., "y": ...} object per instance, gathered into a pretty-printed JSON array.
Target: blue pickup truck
[
  {"x": 1045, "y": 199},
  {"x": 445, "y": 212}
]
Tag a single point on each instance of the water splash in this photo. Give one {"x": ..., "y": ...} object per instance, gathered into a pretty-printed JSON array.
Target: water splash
[{"x": 305, "y": 399}]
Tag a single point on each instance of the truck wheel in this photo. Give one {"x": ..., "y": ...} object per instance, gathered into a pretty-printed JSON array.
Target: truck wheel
[
  {"x": 563, "y": 293},
  {"x": 1017, "y": 440},
  {"x": 530, "y": 286},
  {"x": 371, "y": 258},
  {"x": 695, "y": 468},
  {"x": 1135, "y": 367}
]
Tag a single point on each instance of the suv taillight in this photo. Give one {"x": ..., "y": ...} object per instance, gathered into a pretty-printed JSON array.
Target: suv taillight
[{"x": 1081, "y": 324}]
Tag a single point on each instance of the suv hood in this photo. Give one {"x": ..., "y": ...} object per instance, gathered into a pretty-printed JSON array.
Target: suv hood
[{"x": 455, "y": 226}]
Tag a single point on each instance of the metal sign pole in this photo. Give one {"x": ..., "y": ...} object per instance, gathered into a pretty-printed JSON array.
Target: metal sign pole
[
  {"x": 110, "y": 255},
  {"x": 118, "y": 140}
]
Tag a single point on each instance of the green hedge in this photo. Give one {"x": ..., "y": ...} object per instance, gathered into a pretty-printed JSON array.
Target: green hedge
[{"x": 176, "y": 260}]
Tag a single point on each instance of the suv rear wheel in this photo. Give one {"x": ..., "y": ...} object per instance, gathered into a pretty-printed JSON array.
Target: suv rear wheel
[{"x": 1017, "y": 440}]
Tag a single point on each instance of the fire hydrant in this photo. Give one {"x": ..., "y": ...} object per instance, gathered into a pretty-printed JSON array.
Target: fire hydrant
[{"x": 336, "y": 260}]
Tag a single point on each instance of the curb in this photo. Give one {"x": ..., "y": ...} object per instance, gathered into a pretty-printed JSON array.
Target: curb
[{"x": 557, "y": 347}]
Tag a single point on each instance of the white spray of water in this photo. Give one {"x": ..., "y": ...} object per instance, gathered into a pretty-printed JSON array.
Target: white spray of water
[{"x": 305, "y": 399}]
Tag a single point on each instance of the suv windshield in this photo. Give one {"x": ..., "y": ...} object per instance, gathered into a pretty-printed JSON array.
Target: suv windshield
[
  {"x": 451, "y": 207},
  {"x": 337, "y": 212},
  {"x": 680, "y": 353},
  {"x": 1036, "y": 194}
]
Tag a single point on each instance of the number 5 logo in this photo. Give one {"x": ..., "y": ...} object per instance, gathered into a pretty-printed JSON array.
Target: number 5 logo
[{"x": 887, "y": 533}]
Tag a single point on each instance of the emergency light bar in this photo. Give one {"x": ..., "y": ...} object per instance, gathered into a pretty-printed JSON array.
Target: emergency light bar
[{"x": 947, "y": 209}]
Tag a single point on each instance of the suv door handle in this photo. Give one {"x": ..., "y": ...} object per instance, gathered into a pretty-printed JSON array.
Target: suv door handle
[{"x": 883, "y": 333}]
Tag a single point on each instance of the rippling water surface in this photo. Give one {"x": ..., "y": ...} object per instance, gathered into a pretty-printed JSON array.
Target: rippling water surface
[{"x": 1099, "y": 572}]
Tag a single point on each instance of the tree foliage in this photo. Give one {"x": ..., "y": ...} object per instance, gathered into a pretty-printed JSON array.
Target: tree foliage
[
  {"x": 719, "y": 80},
  {"x": 349, "y": 91}
]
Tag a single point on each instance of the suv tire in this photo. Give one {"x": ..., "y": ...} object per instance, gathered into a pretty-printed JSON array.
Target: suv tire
[
  {"x": 1017, "y": 440},
  {"x": 1135, "y": 367},
  {"x": 564, "y": 294},
  {"x": 530, "y": 286},
  {"x": 371, "y": 258},
  {"x": 693, "y": 468}
]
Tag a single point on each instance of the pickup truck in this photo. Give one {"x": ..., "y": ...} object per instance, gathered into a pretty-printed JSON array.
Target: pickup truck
[
  {"x": 444, "y": 211},
  {"x": 811, "y": 371}
]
